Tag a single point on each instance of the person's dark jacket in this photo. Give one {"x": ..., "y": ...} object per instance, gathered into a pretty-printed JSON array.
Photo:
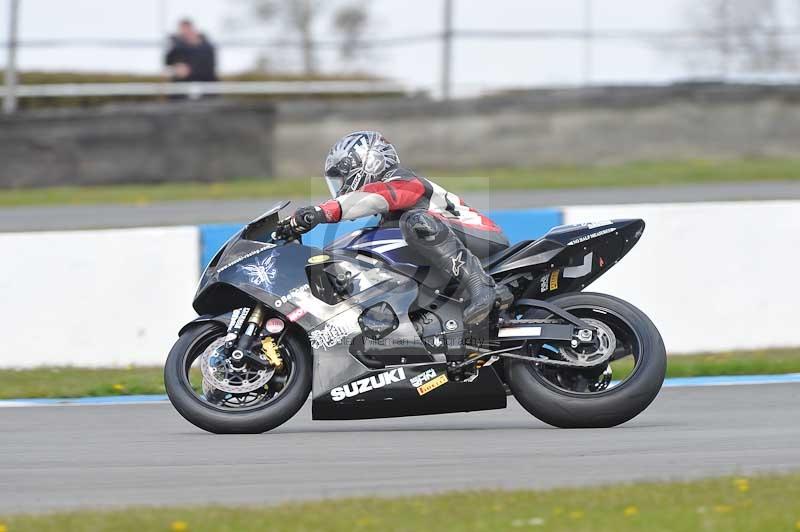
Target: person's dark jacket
[{"x": 200, "y": 58}]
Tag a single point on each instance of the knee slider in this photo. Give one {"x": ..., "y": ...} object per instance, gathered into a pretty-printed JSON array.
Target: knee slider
[{"x": 421, "y": 224}]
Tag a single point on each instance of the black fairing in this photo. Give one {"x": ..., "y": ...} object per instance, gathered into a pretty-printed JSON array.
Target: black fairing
[
  {"x": 224, "y": 284},
  {"x": 568, "y": 258}
]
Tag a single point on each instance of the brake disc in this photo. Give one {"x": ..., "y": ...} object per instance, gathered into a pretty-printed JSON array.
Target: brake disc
[
  {"x": 219, "y": 373},
  {"x": 593, "y": 353}
]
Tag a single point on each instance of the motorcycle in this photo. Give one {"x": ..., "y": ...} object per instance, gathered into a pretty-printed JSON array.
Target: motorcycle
[{"x": 366, "y": 327}]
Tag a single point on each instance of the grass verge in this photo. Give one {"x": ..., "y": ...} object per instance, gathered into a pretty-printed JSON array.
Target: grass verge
[
  {"x": 624, "y": 175},
  {"x": 83, "y": 382},
  {"x": 761, "y": 503}
]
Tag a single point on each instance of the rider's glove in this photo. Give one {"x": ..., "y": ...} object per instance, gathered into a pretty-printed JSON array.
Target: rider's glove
[{"x": 305, "y": 219}]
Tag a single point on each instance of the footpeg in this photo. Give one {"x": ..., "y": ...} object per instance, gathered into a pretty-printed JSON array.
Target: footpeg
[{"x": 462, "y": 371}]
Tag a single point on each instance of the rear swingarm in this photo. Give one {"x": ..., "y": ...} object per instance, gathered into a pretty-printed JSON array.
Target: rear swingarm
[{"x": 508, "y": 353}]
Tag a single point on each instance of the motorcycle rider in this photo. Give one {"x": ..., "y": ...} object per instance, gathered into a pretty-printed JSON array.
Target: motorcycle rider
[{"x": 365, "y": 178}]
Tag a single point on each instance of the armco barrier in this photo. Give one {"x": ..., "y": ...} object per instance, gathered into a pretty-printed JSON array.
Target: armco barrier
[{"x": 712, "y": 277}]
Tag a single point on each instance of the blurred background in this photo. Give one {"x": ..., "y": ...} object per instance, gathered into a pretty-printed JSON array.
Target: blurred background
[
  {"x": 442, "y": 48},
  {"x": 136, "y": 137},
  {"x": 553, "y": 80}
]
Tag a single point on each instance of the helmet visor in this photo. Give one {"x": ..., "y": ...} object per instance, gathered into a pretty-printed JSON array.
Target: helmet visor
[{"x": 334, "y": 185}]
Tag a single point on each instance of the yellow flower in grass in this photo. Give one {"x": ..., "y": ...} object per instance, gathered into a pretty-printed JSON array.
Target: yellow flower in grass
[
  {"x": 179, "y": 526},
  {"x": 631, "y": 511},
  {"x": 797, "y": 525},
  {"x": 577, "y": 514},
  {"x": 364, "y": 521},
  {"x": 723, "y": 508},
  {"x": 3, "y": 528},
  {"x": 118, "y": 387},
  {"x": 742, "y": 484}
]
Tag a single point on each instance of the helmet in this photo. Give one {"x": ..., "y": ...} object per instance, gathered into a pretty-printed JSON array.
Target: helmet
[{"x": 357, "y": 159}]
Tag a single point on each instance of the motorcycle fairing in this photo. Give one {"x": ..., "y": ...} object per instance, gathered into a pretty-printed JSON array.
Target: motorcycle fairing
[
  {"x": 384, "y": 243},
  {"x": 568, "y": 258},
  {"x": 333, "y": 328},
  {"x": 374, "y": 399},
  {"x": 336, "y": 366}
]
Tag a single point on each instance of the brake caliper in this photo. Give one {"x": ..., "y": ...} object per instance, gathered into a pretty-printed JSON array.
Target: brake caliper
[{"x": 270, "y": 350}]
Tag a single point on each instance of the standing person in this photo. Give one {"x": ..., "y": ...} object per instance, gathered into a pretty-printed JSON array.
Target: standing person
[{"x": 191, "y": 56}]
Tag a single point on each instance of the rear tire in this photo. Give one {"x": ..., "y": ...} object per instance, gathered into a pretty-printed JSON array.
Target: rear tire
[
  {"x": 204, "y": 416},
  {"x": 611, "y": 407}
]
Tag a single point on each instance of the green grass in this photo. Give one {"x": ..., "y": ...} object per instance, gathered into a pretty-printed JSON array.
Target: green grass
[
  {"x": 82, "y": 382},
  {"x": 763, "y": 503},
  {"x": 624, "y": 175}
]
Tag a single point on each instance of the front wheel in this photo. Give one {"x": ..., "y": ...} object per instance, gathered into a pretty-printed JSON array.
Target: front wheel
[
  {"x": 588, "y": 398},
  {"x": 247, "y": 401}
]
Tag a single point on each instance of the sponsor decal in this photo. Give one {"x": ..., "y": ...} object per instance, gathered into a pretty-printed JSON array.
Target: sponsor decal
[
  {"x": 432, "y": 384},
  {"x": 428, "y": 375},
  {"x": 262, "y": 272},
  {"x": 589, "y": 237},
  {"x": 457, "y": 263},
  {"x": 423, "y": 377},
  {"x": 274, "y": 325},
  {"x": 293, "y": 293},
  {"x": 296, "y": 314},
  {"x": 327, "y": 337},
  {"x": 549, "y": 282},
  {"x": 237, "y": 318},
  {"x": 370, "y": 383},
  {"x": 247, "y": 256},
  {"x": 554, "y": 280},
  {"x": 318, "y": 259}
]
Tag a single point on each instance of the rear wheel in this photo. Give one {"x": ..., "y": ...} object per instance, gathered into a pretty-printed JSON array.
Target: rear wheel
[
  {"x": 205, "y": 390},
  {"x": 627, "y": 342}
]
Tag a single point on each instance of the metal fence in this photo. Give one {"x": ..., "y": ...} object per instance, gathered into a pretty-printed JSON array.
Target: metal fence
[{"x": 444, "y": 40}]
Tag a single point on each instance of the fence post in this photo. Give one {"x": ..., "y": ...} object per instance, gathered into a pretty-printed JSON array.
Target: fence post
[
  {"x": 10, "y": 100},
  {"x": 447, "y": 49},
  {"x": 588, "y": 41}
]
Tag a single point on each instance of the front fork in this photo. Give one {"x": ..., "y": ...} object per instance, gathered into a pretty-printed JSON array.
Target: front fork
[{"x": 242, "y": 332}]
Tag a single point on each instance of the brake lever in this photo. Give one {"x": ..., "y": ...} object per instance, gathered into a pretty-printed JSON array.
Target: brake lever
[{"x": 283, "y": 231}]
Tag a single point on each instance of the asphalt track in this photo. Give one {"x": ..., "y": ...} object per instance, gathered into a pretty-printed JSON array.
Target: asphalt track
[
  {"x": 60, "y": 217},
  {"x": 100, "y": 456}
]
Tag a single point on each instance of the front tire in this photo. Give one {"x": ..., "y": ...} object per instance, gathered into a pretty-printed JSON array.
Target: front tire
[
  {"x": 212, "y": 419},
  {"x": 612, "y": 406}
]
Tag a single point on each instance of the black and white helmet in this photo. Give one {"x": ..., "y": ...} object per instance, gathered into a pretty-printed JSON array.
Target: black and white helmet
[{"x": 358, "y": 158}]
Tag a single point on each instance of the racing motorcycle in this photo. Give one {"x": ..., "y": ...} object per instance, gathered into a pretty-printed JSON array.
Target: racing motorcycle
[{"x": 366, "y": 327}]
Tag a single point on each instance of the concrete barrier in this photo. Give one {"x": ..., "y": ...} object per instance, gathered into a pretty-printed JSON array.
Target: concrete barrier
[
  {"x": 711, "y": 276},
  {"x": 95, "y": 298},
  {"x": 187, "y": 141}
]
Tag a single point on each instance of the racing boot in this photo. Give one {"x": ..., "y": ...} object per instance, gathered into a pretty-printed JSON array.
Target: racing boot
[
  {"x": 445, "y": 251},
  {"x": 479, "y": 285}
]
